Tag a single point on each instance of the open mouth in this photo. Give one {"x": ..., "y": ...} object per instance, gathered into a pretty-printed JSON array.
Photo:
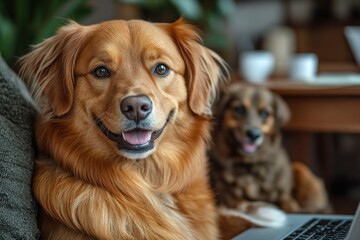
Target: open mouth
[
  {"x": 245, "y": 146},
  {"x": 136, "y": 140},
  {"x": 249, "y": 148}
]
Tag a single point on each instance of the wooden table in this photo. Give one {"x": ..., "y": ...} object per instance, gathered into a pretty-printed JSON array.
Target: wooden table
[{"x": 319, "y": 108}]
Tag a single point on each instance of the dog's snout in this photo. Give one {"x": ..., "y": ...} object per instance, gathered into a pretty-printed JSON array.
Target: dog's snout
[
  {"x": 253, "y": 134},
  {"x": 136, "y": 107}
]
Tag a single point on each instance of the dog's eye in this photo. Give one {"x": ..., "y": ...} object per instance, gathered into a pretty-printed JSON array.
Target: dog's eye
[
  {"x": 101, "y": 72},
  {"x": 161, "y": 70},
  {"x": 264, "y": 114},
  {"x": 241, "y": 110}
]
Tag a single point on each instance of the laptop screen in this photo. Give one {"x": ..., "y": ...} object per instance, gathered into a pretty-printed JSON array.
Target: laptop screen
[
  {"x": 352, "y": 34},
  {"x": 354, "y": 232}
]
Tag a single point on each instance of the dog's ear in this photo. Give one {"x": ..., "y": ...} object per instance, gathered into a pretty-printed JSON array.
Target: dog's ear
[
  {"x": 282, "y": 110},
  {"x": 219, "y": 109},
  {"x": 205, "y": 69},
  {"x": 221, "y": 105},
  {"x": 49, "y": 69}
]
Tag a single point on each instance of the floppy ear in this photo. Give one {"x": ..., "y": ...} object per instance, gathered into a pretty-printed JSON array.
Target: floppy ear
[
  {"x": 227, "y": 96},
  {"x": 220, "y": 107},
  {"x": 49, "y": 69},
  {"x": 204, "y": 68},
  {"x": 282, "y": 110}
]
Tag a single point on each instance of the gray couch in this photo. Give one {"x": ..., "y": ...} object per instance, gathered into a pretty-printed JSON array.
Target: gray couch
[{"x": 17, "y": 113}]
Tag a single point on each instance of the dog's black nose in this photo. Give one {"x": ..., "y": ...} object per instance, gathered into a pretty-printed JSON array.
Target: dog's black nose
[
  {"x": 253, "y": 134},
  {"x": 136, "y": 107}
]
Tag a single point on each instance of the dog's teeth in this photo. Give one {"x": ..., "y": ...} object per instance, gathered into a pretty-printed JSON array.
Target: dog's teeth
[{"x": 123, "y": 135}]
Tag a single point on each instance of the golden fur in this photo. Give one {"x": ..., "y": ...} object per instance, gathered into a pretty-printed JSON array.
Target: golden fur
[
  {"x": 249, "y": 161},
  {"x": 88, "y": 184}
]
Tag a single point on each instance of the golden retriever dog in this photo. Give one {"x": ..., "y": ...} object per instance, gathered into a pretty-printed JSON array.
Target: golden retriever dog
[
  {"x": 249, "y": 162},
  {"x": 123, "y": 131}
]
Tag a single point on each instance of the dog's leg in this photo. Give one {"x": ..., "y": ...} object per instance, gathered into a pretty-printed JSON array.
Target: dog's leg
[
  {"x": 198, "y": 204},
  {"x": 256, "y": 212},
  {"x": 83, "y": 209}
]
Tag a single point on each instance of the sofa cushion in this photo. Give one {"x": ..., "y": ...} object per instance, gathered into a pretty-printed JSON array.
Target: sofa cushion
[{"x": 17, "y": 113}]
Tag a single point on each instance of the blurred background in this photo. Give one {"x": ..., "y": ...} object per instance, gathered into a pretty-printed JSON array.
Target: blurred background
[{"x": 232, "y": 27}]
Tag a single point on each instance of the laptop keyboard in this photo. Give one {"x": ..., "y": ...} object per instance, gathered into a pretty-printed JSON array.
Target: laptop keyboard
[{"x": 321, "y": 229}]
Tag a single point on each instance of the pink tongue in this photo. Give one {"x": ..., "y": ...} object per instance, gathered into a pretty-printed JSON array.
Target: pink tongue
[
  {"x": 137, "y": 137},
  {"x": 250, "y": 148}
]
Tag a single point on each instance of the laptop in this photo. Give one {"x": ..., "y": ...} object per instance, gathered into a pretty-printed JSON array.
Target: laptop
[
  {"x": 309, "y": 226},
  {"x": 352, "y": 34}
]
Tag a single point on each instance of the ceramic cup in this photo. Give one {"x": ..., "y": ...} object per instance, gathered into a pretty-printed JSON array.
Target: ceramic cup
[
  {"x": 256, "y": 66},
  {"x": 303, "y": 67}
]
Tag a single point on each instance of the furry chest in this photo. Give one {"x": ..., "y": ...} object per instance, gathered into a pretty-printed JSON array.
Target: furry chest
[{"x": 253, "y": 182}]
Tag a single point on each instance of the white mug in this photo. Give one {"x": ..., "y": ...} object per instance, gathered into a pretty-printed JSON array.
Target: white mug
[
  {"x": 256, "y": 66},
  {"x": 303, "y": 66}
]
